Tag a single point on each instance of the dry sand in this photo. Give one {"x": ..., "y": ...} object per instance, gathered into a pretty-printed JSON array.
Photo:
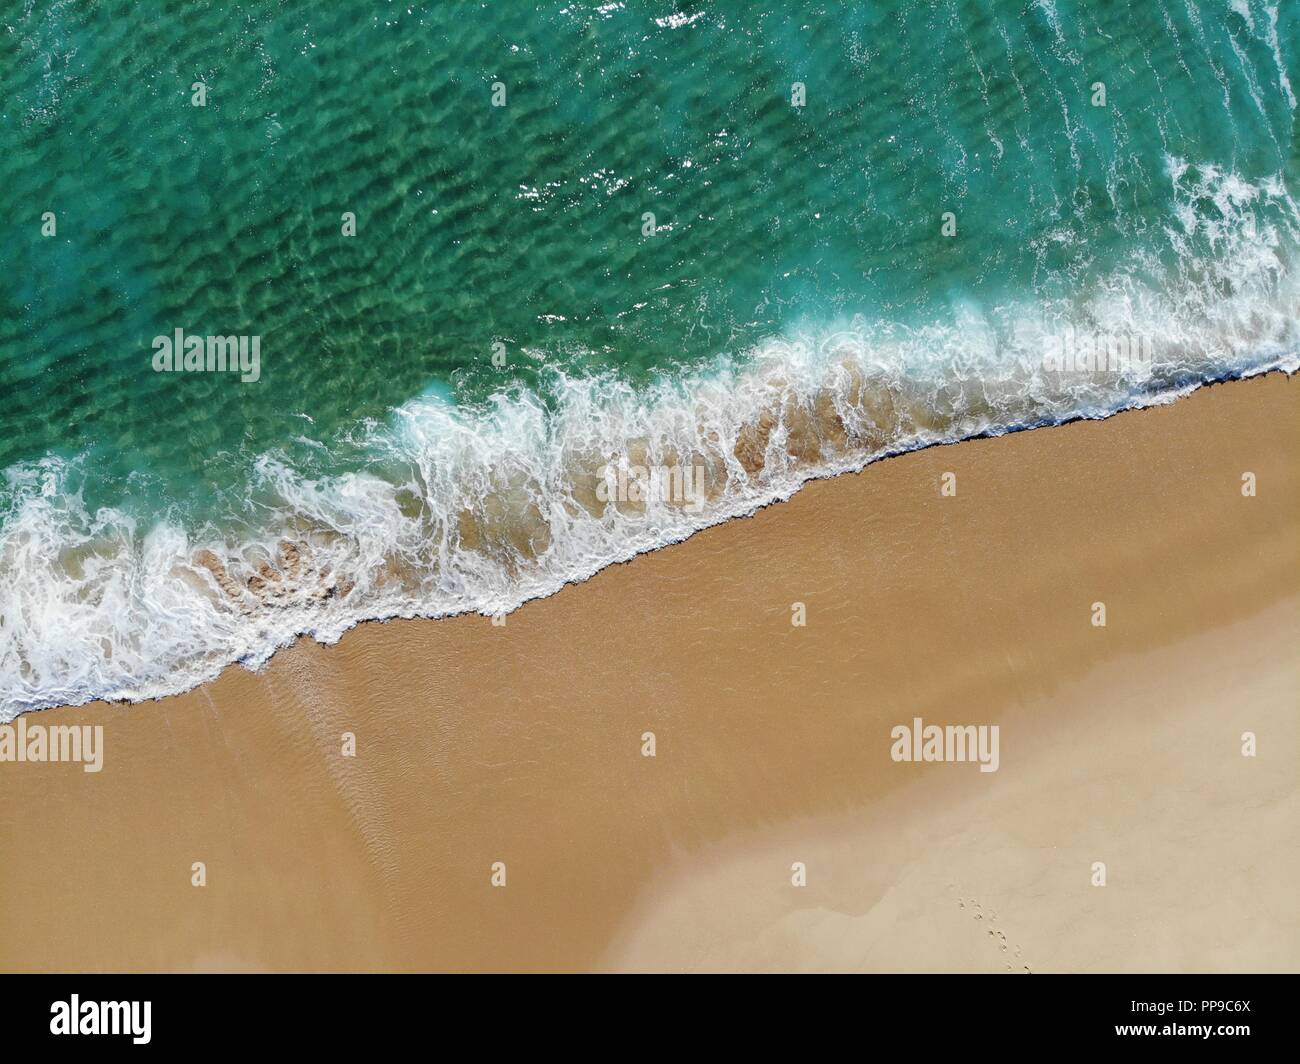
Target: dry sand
[{"x": 522, "y": 744}]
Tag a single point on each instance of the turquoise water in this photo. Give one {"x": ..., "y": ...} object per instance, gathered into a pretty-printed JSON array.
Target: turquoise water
[{"x": 798, "y": 257}]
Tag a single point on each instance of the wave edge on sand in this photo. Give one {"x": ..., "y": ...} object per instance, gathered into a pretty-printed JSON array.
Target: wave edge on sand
[{"x": 463, "y": 509}]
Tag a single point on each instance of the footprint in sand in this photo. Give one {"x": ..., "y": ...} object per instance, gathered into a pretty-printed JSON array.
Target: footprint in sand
[{"x": 998, "y": 936}]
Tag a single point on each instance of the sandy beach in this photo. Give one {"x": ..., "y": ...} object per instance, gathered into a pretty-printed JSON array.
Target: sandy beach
[{"x": 524, "y": 744}]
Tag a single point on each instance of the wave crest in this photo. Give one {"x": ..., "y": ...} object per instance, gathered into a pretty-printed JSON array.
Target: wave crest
[{"x": 483, "y": 508}]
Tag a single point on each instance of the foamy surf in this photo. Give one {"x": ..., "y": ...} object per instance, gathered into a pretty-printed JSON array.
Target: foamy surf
[{"x": 482, "y": 508}]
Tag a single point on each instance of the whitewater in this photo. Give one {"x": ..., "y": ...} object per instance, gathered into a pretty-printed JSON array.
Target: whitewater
[{"x": 479, "y": 508}]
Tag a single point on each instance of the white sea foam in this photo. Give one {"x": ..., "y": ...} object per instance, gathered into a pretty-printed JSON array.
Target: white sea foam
[
  {"x": 1270, "y": 11},
  {"x": 496, "y": 505}
]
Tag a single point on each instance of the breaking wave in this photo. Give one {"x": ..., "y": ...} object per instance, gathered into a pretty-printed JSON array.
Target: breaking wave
[{"x": 481, "y": 508}]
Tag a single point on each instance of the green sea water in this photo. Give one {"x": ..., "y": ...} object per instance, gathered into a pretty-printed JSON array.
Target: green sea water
[
  {"x": 523, "y": 223},
  {"x": 798, "y": 161}
]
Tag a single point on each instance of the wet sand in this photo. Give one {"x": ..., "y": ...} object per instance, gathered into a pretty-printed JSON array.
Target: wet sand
[{"x": 522, "y": 744}]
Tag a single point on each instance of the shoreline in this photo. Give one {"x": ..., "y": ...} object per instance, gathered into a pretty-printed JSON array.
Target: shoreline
[
  {"x": 522, "y": 742},
  {"x": 1288, "y": 369}
]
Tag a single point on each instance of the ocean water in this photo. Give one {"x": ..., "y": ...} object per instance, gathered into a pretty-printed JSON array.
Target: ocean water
[{"x": 756, "y": 242}]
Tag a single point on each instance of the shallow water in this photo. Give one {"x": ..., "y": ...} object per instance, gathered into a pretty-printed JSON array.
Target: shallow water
[{"x": 794, "y": 308}]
